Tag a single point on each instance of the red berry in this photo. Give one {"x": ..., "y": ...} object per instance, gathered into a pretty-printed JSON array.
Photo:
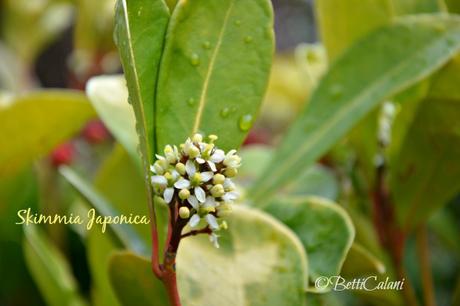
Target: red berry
[
  {"x": 63, "y": 154},
  {"x": 95, "y": 132}
]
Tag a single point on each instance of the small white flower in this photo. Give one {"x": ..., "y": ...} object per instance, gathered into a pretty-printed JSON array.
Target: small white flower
[
  {"x": 193, "y": 201},
  {"x": 230, "y": 196},
  {"x": 206, "y": 176},
  {"x": 168, "y": 194},
  {"x": 218, "y": 156},
  {"x": 194, "y": 220},
  {"x": 200, "y": 194},
  {"x": 212, "y": 221},
  {"x": 159, "y": 180},
  {"x": 182, "y": 183},
  {"x": 210, "y": 202},
  {"x": 232, "y": 160},
  {"x": 214, "y": 240},
  {"x": 229, "y": 185}
]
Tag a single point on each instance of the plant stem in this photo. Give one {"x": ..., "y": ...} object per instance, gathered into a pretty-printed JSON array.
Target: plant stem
[{"x": 425, "y": 266}]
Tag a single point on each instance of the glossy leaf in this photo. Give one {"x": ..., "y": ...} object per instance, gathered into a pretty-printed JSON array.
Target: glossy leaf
[
  {"x": 391, "y": 59},
  {"x": 109, "y": 96},
  {"x": 50, "y": 270},
  {"x": 219, "y": 54},
  {"x": 33, "y": 124},
  {"x": 139, "y": 34},
  {"x": 361, "y": 262},
  {"x": 123, "y": 232},
  {"x": 325, "y": 229},
  {"x": 267, "y": 268}
]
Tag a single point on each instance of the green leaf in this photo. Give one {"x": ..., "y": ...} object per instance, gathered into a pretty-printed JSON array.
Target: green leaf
[
  {"x": 139, "y": 34},
  {"x": 219, "y": 54},
  {"x": 381, "y": 65},
  {"x": 50, "y": 270},
  {"x": 361, "y": 262},
  {"x": 341, "y": 23},
  {"x": 123, "y": 232},
  {"x": 109, "y": 96},
  {"x": 424, "y": 172},
  {"x": 133, "y": 280},
  {"x": 325, "y": 229},
  {"x": 33, "y": 124},
  {"x": 406, "y": 7},
  {"x": 259, "y": 262}
]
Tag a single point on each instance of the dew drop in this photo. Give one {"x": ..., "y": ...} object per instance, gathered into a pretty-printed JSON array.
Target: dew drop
[
  {"x": 225, "y": 112},
  {"x": 191, "y": 101},
  {"x": 245, "y": 122},
  {"x": 248, "y": 39},
  {"x": 195, "y": 59},
  {"x": 336, "y": 91},
  {"x": 237, "y": 22},
  {"x": 206, "y": 45}
]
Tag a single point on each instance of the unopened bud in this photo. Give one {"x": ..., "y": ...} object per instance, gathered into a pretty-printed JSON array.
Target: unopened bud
[
  {"x": 217, "y": 190},
  {"x": 197, "y": 138},
  {"x": 184, "y": 212},
  {"x": 180, "y": 167},
  {"x": 218, "y": 179},
  {"x": 184, "y": 194},
  {"x": 230, "y": 172}
]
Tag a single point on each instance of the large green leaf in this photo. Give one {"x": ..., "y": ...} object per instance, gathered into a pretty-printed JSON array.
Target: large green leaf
[
  {"x": 325, "y": 229},
  {"x": 109, "y": 96},
  {"x": 214, "y": 70},
  {"x": 425, "y": 171},
  {"x": 35, "y": 123},
  {"x": 260, "y": 262},
  {"x": 50, "y": 270},
  {"x": 390, "y": 60},
  {"x": 139, "y": 35},
  {"x": 405, "y": 7}
]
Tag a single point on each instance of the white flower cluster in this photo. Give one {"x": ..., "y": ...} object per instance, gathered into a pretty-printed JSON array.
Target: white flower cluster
[{"x": 198, "y": 178}]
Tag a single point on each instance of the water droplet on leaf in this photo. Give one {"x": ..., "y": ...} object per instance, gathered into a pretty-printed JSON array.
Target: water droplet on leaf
[
  {"x": 237, "y": 22},
  {"x": 245, "y": 122},
  {"x": 195, "y": 59},
  {"x": 206, "y": 45},
  {"x": 336, "y": 91},
  {"x": 225, "y": 112},
  {"x": 191, "y": 101},
  {"x": 248, "y": 39}
]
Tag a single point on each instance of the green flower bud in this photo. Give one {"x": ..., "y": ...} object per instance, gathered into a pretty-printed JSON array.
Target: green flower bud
[
  {"x": 184, "y": 194},
  {"x": 218, "y": 179},
  {"x": 230, "y": 172},
  {"x": 194, "y": 152},
  {"x": 217, "y": 190},
  {"x": 184, "y": 212},
  {"x": 180, "y": 167}
]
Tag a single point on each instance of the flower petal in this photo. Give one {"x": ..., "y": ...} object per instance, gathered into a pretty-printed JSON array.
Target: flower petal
[
  {"x": 218, "y": 156},
  {"x": 159, "y": 180},
  {"x": 182, "y": 183},
  {"x": 194, "y": 220},
  {"x": 206, "y": 176},
  {"x": 193, "y": 201},
  {"x": 230, "y": 196},
  {"x": 212, "y": 221},
  {"x": 190, "y": 168},
  {"x": 168, "y": 194},
  {"x": 152, "y": 168},
  {"x": 200, "y": 160},
  {"x": 212, "y": 166},
  {"x": 200, "y": 194},
  {"x": 210, "y": 202},
  {"x": 214, "y": 240}
]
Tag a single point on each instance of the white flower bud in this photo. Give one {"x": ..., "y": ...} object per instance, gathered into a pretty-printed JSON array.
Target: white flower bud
[
  {"x": 197, "y": 138},
  {"x": 217, "y": 190},
  {"x": 184, "y": 194},
  {"x": 180, "y": 167},
  {"x": 218, "y": 179}
]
